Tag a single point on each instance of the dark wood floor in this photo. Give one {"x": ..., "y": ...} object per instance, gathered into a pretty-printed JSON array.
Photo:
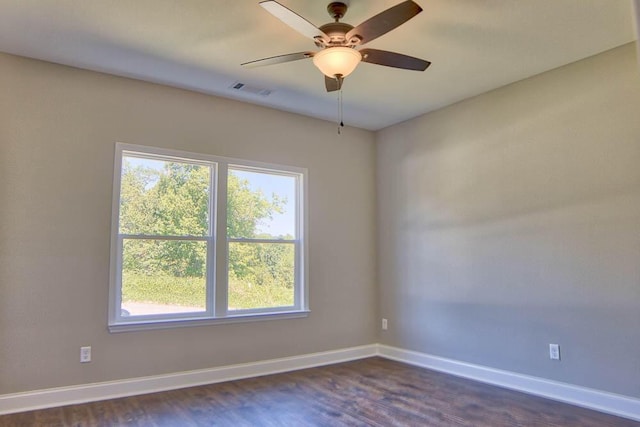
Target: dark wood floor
[{"x": 369, "y": 392}]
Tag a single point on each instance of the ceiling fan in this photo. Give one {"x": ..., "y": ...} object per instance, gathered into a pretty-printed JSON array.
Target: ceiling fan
[{"x": 338, "y": 41}]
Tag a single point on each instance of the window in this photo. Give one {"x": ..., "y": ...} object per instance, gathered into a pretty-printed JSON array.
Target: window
[{"x": 198, "y": 239}]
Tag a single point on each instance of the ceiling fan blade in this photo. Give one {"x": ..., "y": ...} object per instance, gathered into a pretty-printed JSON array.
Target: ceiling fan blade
[
  {"x": 333, "y": 83},
  {"x": 293, "y": 20},
  {"x": 392, "y": 59},
  {"x": 384, "y": 22},
  {"x": 278, "y": 59}
]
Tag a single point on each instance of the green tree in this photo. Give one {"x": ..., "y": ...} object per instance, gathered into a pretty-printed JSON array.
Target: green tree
[
  {"x": 171, "y": 201},
  {"x": 247, "y": 208},
  {"x": 174, "y": 200}
]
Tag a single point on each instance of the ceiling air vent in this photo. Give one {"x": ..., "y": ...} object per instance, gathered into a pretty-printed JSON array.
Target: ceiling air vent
[{"x": 242, "y": 87}]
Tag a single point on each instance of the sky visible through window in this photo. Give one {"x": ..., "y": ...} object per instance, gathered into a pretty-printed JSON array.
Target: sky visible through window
[
  {"x": 145, "y": 163},
  {"x": 284, "y": 187}
]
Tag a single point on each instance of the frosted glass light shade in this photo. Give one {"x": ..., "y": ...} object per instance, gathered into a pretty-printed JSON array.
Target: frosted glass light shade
[{"x": 334, "y": 61}]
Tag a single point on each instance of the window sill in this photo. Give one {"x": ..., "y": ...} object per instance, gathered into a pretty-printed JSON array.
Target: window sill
[{"x": 142, "y": 325}]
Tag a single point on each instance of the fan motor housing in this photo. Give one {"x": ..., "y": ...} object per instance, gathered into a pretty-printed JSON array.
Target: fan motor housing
[
  {"x": 336, "y": 32},
  {"x": 338, "y": 38}
]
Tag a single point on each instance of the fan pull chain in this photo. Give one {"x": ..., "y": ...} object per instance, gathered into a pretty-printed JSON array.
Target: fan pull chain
[{"x": 340, "y": 114}]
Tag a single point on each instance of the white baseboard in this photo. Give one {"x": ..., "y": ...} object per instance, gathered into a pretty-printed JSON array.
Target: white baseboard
[
  {"x": 614, "y": 404},
  {"x": 610, "y": 403},
  {"x": 39, "y": 399}
]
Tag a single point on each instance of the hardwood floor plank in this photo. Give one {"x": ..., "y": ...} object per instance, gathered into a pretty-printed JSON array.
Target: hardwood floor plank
[{"x": 371, "y": 392}]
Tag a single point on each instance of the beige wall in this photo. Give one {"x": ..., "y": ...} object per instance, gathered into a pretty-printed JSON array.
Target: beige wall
[
  {"x": 58, "y": 127},
  {"x": 512, "y": 220},
  {"x": 505, "y": 222}
]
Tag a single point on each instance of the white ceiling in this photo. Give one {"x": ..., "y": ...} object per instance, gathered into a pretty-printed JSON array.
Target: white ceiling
[{"x": 474, "y": 46}]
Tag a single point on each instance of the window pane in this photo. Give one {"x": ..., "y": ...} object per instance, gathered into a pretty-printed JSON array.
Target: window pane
[
  {"x": 261, "y": 275},
  {"x": 163, "y": 276},
  {"x": 261, "y": 205},
  {"x": 164, "y": 197}
]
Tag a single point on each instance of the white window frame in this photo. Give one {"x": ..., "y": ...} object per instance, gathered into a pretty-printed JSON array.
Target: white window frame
[{"x": 216, "y": 311}]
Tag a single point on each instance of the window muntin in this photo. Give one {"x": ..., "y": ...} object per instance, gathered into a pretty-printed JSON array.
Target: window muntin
[{"x": 172, "y": 261}]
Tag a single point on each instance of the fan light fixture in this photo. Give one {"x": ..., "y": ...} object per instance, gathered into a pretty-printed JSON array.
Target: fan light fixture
[
  {"x": 338, "y": 57},
  {"x": 337, "y": 61},
  {"x": 337, "y": 40}
]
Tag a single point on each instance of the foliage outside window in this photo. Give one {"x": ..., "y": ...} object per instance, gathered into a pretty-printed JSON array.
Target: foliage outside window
[{"x": 203, "y": 239}]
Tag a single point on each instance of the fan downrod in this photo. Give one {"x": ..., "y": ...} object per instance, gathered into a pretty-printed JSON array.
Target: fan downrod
[{"x": 337, "y": 10}]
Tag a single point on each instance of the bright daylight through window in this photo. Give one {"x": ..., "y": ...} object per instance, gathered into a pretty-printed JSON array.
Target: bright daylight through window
[{"x": 203, "y": 239}]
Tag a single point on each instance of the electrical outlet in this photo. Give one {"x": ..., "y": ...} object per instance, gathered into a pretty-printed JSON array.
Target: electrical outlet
[
  {"x": 385, "y": 324},
  {"x": 85, "y": 354},
  {"x": 554, "y": 351}
]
